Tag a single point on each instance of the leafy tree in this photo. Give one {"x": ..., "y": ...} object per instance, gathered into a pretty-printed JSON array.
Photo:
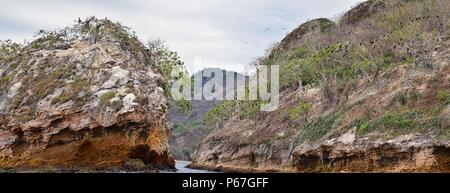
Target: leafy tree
[
  {"x": 301, "y": 110},
  {"x": 8, "y": 47},
  {"x": 168, "y": 61}
]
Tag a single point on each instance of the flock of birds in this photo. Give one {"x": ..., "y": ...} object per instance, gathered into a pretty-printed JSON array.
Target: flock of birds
[{"x": 267, "y": 30}]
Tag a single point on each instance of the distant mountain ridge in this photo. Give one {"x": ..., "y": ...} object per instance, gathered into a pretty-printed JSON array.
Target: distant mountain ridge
[{"x": 188, "y": 127}]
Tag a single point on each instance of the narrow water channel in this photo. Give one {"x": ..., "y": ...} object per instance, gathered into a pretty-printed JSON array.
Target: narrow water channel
[{"x": 181, "y": 167}]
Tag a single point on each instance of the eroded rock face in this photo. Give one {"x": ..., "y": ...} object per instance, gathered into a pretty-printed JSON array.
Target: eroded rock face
[
  {"x": 403, "y": 154},
  {"x": 92, "y": 99}
]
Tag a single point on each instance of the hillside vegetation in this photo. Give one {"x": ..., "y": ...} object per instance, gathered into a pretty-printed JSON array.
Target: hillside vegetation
[{"x": 377, "y": 76}]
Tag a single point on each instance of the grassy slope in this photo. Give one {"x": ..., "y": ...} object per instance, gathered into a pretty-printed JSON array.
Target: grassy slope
[{"x": 374, "y": 38}]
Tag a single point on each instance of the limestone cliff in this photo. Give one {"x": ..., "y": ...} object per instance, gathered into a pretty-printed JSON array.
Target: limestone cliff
[
  {"x": 370, "y": 93},
  {"x": 87, "y": 97}
]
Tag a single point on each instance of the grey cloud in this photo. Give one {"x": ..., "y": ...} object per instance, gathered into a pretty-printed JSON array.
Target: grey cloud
[{"x": 220, "y": 31}]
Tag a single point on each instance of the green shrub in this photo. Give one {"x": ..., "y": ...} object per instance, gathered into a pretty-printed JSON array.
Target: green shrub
[
  {"x": 116, "y": 105},
  {"x": 62, "y": 98},
  {"x": 219, "y": 113},
  {"x": 414, "y": 95},
  {"x": 8, "y": 48},
  {"x": 14, "y": 65},
  {"x": 300, "y": 110},
  {"x": 324, "y": 25},
  {"x": 179, "y": 129},
  {"x": 268, "y": 141},
  {"x": 47, "y": 39},
  {"x": 396, "y": 123},
  {"x": 313, "y": 131},
  {"x": 296, "y": 70},
  {"x": 187, "y": 127},
  {"x": 6, "y": 79},
  {"x": 48, "y": 83},
  {"x": 405, "y": 97},
  {"x": 141, "y": 99},
  {"x": 16, "y": 102},
  {"x": 72, "y": 93},
  {"x": 399, "y": 98},
  {"x": 443, "y": 97},
  {"x": 300, "y": 52},
  {"x": 25, "y": 117},
  {"x": 250, "y": 109},
  {"x": 184, "y": 105},
  {"x": 104, "y": 99}
]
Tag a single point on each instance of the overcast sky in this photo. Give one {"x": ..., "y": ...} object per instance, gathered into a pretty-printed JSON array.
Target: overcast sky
[{"x": 223, "y": 33}]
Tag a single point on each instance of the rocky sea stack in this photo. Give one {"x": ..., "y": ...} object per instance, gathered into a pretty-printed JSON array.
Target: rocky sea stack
[{"x": 89, "y": 97}]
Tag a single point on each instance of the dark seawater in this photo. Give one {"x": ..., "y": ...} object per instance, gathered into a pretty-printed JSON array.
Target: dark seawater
[{"x": 181, "y": 167}]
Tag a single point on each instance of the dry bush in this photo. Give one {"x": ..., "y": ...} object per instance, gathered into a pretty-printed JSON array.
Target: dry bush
[{"x": 400, "y": 32}]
